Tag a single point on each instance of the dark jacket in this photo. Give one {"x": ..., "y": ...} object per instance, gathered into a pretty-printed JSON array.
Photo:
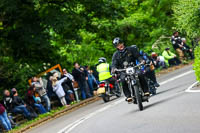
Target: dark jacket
[
  {"x": 131, "y": 54},
  {"x": 176, "y": 41},
  {"x": 2, "y": 109},
  {"x": 11, "y": 102},
  {"x": 78, "y": 75},
  {"x": 8, "y": 103},
  {"x": 17, "y": 101},
  {"x": 50, "y": 91}
]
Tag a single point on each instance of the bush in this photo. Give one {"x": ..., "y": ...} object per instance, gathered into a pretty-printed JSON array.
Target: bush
[{"x": 197, "y": 63}]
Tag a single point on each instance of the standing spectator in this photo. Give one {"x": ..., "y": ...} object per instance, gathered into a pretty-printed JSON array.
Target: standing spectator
[
  {"x": 170, "y": 58},
  {"x": 4, "y": 118},
  {"x": 51, "y": 94},
  {"x": 38, "y": 83},
  {"x": 176, "y": 42},
  {"x": 95, "y": 73},
  {"x": 33, "y": 101},
  {"x": 91, "y": 81},
  {"x": 15, "y": 104},
  {"x": 81, "y": 78},
  {"x": 67, "y": 86},
  {"x": 85, "y": 70},
  {"x": 70, "y": 79},
  {"x": 58, "y": 89}
]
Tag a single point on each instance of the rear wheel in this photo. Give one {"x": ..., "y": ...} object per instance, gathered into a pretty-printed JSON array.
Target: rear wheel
[
  {"x": 138, "y": 97},
  {"x": 106, "y": 98}
]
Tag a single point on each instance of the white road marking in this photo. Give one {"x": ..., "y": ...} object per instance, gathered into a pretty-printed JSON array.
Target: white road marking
[
  {"x": 176, "y": 77},
  {"x": 71, "y": 126},
  {"x": 189, "y": 88}
]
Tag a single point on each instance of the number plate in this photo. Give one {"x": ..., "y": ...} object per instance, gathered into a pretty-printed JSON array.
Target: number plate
[
  {"x": 101, "y": 90},
  {"x": 130, "y": 70}
]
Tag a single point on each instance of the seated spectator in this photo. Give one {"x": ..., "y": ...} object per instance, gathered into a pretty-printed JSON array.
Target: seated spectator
[
  {"x": 58, "y": 89},
  {"x": 42, "y": 92},
  {"x": 170, "y": 58},
  {"x": 67, "y": 86},
  {"x": 4, "y": 118},
  {"x": 15, "y": 104},
  {"x": 186, "y": 48},
  {"x": 159, "y": 61},
  {"x": 35, "y": 101}
]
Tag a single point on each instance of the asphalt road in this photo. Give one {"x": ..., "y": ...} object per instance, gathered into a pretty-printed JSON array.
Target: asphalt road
[{"x": 172, "y": 110}]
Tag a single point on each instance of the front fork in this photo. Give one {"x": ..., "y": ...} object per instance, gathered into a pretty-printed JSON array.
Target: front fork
[{"x": 135, "y": 81}]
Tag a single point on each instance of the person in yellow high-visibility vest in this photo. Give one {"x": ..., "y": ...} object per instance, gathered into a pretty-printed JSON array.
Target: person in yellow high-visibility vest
[
  {"x": 103, "y": 69},
  {"x": 104, "y": 73}
]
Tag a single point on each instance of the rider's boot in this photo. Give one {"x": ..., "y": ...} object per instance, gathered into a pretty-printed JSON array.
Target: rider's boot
[
  {"x": 156, "y": 84},
  {"x": 147, "y": 94},
  {"x": 129, "y": 99}
]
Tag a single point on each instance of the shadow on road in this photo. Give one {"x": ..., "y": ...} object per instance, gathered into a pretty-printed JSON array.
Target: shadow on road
[
  {"x": 111, "y": 99},
  {"x": 158, "y": 93},
  {"x": 167, "y": 90},
  {"x": 164, "y": 100}
]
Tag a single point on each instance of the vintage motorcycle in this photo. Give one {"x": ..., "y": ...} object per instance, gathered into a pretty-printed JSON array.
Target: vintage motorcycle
[
  {"x": 106, "y": 90},
  {"x": 131, "y": 77}
]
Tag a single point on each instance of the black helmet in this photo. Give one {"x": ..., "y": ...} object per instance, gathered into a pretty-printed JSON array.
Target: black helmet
[
  {"x": 102, "y": 60},
  {"x": 117, "y": 41}
]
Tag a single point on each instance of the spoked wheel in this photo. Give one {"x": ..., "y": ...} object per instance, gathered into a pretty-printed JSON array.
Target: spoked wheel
[
  {"x": 138, "y": 97},
  {"x": 106, "y": 98}
]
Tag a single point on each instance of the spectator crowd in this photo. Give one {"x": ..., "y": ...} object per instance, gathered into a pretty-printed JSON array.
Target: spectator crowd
[{"x": 38, "y": 98}]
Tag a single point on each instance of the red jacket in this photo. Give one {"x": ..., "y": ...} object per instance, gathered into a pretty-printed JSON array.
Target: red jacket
[{"x": 2, "y": 109}]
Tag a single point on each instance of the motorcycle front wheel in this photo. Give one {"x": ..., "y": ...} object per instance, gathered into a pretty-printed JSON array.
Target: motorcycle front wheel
[{"x": 138, "y": 97}]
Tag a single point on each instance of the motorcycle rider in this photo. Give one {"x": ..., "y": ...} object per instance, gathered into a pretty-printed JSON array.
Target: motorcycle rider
[
  {"x": 104, "y": 71},
  {"x": 128, "y": 54},
  {"x": 149, "y": 70}
]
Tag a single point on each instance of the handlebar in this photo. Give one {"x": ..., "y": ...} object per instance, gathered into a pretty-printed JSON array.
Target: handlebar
[{"x": 122, "y": 70}]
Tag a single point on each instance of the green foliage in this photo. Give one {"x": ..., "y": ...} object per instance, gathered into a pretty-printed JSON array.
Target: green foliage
[
  {"x": 187, "y": 17},
  {"x": 197, "y": 63}
]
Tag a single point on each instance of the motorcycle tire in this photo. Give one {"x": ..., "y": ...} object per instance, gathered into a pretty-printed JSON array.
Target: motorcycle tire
[
  {"x": 106, "y": 98},
  {"x": 138, "y": 97}
]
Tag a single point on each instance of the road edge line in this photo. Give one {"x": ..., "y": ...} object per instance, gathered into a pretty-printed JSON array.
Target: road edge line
[{"x": 191, "y": 86}]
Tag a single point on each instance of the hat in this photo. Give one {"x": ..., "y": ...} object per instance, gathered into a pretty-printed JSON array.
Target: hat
[
  {"x": 167, "y": 48},
  {"x": 153, "y": 54},
  {"x": 13, "y": 89},
  {"x": 183, "y": 39}
]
